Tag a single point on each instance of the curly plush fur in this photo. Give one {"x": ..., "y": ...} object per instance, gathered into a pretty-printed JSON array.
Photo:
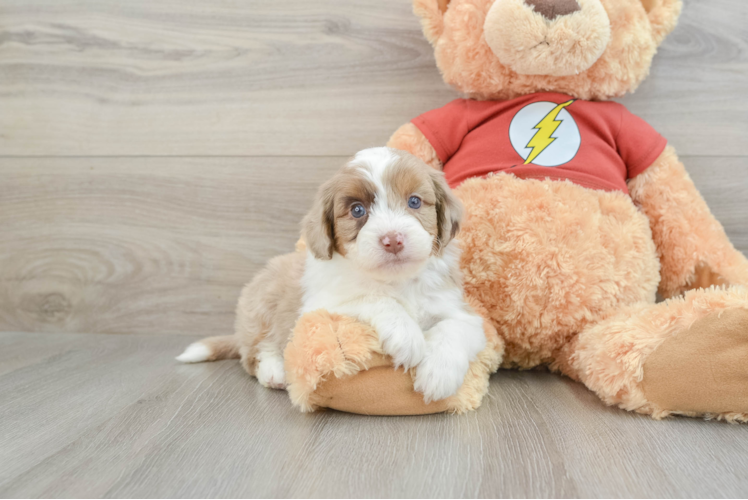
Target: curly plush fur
[
  {"x": 335, "y": 362},
  {"x": 468, "y": 63},
  {"x": 565, "y": 275},
  {"x": 610, "y": 356},
  {"x": 694, "y": 250},
  {"x": 547, "y": 258}
]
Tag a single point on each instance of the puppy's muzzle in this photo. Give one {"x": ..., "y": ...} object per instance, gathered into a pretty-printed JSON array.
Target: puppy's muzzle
[{"x": 392, "y": 242}]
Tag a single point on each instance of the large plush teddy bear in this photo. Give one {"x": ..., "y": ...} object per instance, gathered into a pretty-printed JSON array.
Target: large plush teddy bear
[{"x": 578, "y": 212}]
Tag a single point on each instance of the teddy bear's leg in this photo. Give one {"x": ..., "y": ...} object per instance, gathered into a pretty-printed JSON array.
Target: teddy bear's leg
[
  {"x": 336, "y": 362},
  {"x": 686, "y": 356},
  {"x": 333, "y": 361}
]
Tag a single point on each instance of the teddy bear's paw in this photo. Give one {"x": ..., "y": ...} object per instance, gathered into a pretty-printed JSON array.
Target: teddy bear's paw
[
  {"x": 270, "y": 372},
  {"x": 702, "y": 369},
  {"x": 441, "y": 373},
  {"x": 404, "y": 342}
]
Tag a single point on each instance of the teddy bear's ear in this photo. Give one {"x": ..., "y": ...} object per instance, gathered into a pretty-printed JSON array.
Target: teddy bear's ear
[
  {"x": 663, "y": 16},
  {"x": 431, "y": 13}
]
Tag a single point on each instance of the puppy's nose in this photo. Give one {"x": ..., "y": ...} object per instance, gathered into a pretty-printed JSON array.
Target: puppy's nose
[
  {"x": 392, "y": 242},
  {"x": 551, "y": 9}
]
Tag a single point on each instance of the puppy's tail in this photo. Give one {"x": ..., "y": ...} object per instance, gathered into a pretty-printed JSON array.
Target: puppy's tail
[{"x": 211, "y": 349}]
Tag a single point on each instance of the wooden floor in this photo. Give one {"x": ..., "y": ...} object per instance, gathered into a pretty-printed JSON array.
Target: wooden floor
[
  {"x": 143, "y": 145},
  {"x": 116, "y": 416}
]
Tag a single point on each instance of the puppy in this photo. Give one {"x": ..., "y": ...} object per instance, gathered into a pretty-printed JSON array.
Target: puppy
[{"x": 380, "y": 248}]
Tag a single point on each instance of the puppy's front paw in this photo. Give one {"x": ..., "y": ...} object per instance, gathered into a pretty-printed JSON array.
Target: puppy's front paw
[
  {"x": 441, "y": 372},
  {"x": 403, "y": 340},
  {"x": 271, "y": 373}
]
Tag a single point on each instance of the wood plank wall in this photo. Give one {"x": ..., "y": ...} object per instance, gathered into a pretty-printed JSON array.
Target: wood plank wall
[{"x": 154, "y": 154}]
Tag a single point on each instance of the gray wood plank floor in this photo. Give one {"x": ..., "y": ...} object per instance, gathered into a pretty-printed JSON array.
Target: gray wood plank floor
[{"x": 115, "y": 416}]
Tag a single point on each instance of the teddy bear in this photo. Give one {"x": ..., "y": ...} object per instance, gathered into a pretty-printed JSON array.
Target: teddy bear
[{"x": 578, "y": 214}]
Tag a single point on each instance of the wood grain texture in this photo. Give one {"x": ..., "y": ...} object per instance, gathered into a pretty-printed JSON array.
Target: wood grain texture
[
  {"x": 164, "y": 245},
  {"x": 299, "y": 77},
  {"x": 115, "y": 416},
  {"x": 143, "y": 245}
]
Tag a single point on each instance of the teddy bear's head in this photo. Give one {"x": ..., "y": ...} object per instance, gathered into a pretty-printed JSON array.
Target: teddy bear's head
[{"x": 590, "y": 49}]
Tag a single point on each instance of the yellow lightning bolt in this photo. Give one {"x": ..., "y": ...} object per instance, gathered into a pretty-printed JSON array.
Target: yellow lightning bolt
[{"x": 545, "y": 129}]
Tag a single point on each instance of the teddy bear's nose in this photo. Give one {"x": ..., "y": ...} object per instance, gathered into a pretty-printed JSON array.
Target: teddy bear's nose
[{"x": 551, "y": 9}]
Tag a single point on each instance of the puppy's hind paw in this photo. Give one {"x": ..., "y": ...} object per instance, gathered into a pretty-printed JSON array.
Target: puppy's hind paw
[{"x": 271, "y": 373}]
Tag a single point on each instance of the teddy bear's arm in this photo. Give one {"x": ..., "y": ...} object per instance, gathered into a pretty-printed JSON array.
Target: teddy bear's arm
[
  {"x": 694, "y": 250},
  {"x": 409, "y": 138}
]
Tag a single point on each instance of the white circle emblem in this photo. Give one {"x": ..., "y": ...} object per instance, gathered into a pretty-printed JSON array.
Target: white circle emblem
[{"x": 544, "y": 133}]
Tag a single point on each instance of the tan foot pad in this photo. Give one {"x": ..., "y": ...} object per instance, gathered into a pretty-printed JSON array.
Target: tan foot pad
[
  {"x": 703, "y": 369},
  {"x": 380, "y": 390}
]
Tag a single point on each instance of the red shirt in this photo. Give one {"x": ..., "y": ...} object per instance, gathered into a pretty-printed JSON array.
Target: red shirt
[{"x": 599, "y": 145}]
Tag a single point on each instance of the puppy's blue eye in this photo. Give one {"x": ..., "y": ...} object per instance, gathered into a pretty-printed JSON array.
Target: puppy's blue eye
[
  {"x": 358, "y": 211},
  {"x": 414, "y": 202}
]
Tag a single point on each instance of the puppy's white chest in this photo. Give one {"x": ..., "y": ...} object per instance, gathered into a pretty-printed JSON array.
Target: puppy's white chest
[{"x": 427, "y": 306}]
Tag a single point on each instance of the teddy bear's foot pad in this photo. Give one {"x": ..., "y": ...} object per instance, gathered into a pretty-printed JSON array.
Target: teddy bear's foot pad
[
  {"x": 703, "y": 369},
  {"x": 380, "y": 390}
]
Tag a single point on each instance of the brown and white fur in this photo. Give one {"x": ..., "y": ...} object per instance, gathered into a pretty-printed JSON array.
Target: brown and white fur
[{"x": 380, "y": 248}]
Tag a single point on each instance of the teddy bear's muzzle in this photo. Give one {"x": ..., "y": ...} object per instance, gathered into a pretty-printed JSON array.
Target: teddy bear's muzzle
[
  {"x": 551, "y": 9},
  {"x": 547, "y": 37}
]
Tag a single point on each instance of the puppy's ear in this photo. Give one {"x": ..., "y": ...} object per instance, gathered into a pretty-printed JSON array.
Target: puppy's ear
[
  {"x": 449, "y": 210},
  {"x": 318, "y": 227}
]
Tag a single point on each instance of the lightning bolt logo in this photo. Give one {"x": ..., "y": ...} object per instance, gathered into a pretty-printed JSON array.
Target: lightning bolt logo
[{"x": 545, "y": 129}]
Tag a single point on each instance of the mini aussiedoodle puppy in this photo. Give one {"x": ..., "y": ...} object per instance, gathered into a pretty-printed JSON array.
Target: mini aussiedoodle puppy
[{"x": 380, "y": 248}]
